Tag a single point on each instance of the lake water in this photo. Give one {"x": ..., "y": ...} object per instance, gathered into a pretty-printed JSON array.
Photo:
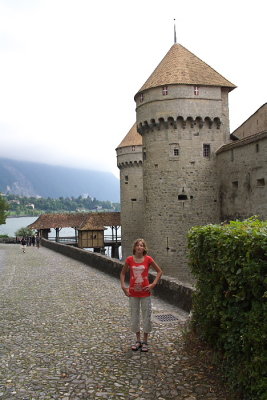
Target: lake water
[{"x": 13, "y": 224}]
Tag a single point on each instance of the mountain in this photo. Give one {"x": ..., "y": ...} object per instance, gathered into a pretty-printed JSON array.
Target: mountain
[{"x": 33, "y": 179}]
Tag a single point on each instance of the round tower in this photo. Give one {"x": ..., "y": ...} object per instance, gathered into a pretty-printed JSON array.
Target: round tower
[
  {"x": 182, "y": 115},
  {"x": 130, "y": 163}
]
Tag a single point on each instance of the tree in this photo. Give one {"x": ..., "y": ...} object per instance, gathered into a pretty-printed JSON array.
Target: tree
[
  {"x": 24, "y": 232},
  {"x": 3, "y": 210}
]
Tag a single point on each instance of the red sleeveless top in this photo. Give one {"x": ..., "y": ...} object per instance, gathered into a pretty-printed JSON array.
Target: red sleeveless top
[{"x": 139, "y": 276}]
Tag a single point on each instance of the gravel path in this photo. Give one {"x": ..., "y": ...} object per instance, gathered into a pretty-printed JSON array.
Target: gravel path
[{"x": 64, "y": 335}]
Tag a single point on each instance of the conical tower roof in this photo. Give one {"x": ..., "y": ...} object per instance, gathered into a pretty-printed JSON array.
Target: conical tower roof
[
  {"x": 180, "y": 66},
  {"x": 133, "y": 138}
]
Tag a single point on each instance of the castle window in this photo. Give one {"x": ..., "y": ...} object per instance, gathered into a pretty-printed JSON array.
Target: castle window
[
  {"x": 133, "y": 148},
  {"x": 174, "y": 151},
  {"x": 141, "y": 98},
  {"x": 165, "y": 90},
  {"x": 144, "y": 154},
  {"x": 206, "y": 150},
  {"x": 235, "y": 184},
  {"x": 126, "y": 179},
  {"x": 261, "y": 182},
  {"x": 182, "y": 197},
  {"x": 257, "y": 147},
  {"x": 196, "y": 90}
]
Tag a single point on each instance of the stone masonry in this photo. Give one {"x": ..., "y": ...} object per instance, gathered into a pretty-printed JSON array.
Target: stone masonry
[
  {"x": 193, "y": 171},
  {"x": 182, "y": 116},
  {"x": 243, "y": 190},
  {"x": 130, "y": 163}
]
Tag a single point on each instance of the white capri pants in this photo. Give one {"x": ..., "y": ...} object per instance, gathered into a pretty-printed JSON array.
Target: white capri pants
[{"x": 143, "y": 304}]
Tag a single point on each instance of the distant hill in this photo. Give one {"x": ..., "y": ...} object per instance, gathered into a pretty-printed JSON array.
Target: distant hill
[{"x": 33, "y": 179}]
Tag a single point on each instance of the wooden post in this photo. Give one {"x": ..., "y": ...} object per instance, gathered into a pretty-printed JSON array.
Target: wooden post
[{"x": 57, "y": 234}]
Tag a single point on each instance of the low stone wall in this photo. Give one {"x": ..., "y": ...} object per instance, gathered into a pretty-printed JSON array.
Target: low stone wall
[
  {"x": 169, "y": 289},
  {"x": 7, "y": 240}
]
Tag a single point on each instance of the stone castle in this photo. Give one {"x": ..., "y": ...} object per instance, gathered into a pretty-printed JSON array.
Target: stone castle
[{"x": 179, "y": 164}]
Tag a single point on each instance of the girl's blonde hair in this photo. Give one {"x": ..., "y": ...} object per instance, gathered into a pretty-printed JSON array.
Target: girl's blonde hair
[{"x": 144, "y": 244}]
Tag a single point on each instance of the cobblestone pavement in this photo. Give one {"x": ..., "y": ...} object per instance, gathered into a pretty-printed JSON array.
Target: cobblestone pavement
[{"x": 64, "y": 335}]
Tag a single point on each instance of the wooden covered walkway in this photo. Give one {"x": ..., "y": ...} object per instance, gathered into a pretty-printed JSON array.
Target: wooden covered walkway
[{"x": 89, "y": 229}]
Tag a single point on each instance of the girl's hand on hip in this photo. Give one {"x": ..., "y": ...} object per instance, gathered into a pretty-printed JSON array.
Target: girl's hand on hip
[
  {"x": 148, "y": 288},
  {"x": 126, "y": 292}
]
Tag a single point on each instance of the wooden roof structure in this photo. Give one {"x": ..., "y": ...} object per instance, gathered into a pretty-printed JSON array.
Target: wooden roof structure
[
  {"x": 181, "y": 67},
  {"x": 80, "y": 221}
]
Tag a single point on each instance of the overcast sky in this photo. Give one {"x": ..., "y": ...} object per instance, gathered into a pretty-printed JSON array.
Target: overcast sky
[{"x": 69, "y": 69}]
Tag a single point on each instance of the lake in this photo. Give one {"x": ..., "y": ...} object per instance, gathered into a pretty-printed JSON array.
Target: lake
[{"x": 13, "y": 224}]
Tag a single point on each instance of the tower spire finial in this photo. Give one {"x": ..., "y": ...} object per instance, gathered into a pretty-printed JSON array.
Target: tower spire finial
[{"x": 175, "y": 39}]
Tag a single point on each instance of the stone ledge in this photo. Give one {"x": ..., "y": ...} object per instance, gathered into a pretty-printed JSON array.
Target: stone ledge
[{"x": 168, "y": 289}]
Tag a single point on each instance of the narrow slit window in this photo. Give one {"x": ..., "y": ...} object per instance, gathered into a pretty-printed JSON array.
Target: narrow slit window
[
  {"x": 144, "y": 154},
  {"x": 261, "y": 182},
  {"x": 206, "y": 150},
  {"x": 126, "y": 179},
  {"x": 182, "y": 197},
  {"x": 196, "y": 90},
  {"x": 141, "y": 98},
  {"x": 257, "y": 147},
  {"x": 235, "y": 184}
]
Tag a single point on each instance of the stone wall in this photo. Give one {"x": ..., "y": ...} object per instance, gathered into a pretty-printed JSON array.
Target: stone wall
[
  {"x": 169, "y": 289},
  {"x": 254, "y": 124},
  {"x": 242, "y": 168},
  {"x": 130, "y": 163},
  {"x": 180, "y": 181}
]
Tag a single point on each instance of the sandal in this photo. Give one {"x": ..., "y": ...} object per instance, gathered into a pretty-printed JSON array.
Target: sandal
[
  {"x": 144, "y": 347},
  {"x": 136, "y": 346}
]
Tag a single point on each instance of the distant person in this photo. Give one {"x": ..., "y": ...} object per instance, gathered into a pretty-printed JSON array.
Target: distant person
[
  {"x": 37, "y": 241},
  {"x": 33, "y": 240},
  {"x": 23, "y": 244},
  {"x": 139, "y": 291}
]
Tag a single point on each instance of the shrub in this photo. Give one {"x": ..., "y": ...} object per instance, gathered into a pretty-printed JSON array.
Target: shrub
[
  {"x": 24, "y": 232},
  {"x": 229, "y": 305}
]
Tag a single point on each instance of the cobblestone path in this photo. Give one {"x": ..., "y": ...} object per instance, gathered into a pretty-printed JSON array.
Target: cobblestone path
[{"x": 64, "y": 335}]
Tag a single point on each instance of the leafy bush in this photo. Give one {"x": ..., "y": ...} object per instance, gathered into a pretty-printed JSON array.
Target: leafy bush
[
  {"x": 229, "y": 305},
  {"x": 24, "y": 232}
]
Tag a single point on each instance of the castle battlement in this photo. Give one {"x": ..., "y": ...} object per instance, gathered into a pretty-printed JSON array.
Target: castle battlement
[{"x": 178, "y": 122}]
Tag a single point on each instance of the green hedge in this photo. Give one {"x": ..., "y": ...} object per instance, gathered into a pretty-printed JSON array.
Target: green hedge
[{"x": 229, "y": 263}]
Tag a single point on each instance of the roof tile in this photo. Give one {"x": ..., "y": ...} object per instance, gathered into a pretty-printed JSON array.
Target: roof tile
[
  {"x": 133, "y": 138},
  {"x": 180, "y": 66},
  {"x": 81, "y": 221}
]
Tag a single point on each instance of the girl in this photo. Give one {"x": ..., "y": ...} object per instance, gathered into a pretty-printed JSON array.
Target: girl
[{"x": 140, "y": 290}]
